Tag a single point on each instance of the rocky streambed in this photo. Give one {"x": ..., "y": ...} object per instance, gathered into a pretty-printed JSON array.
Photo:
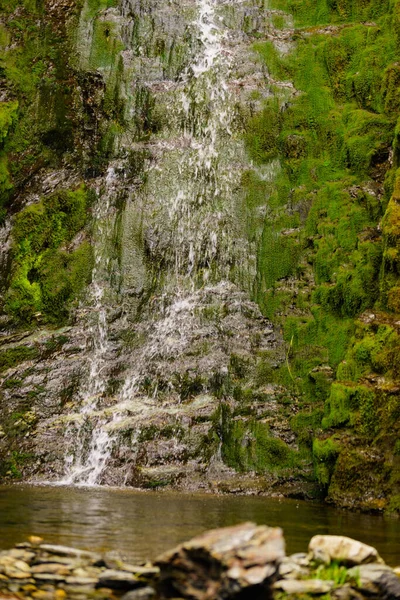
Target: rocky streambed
[{"x": 244, "y": 561}]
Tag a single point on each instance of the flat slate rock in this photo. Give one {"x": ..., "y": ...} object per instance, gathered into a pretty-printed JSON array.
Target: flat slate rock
[
  {"x": 306, "y": 586},
  {"x": 86, "y": 581},
  {"x": 67, "y": 551},
  {"x": 118, "y": 580},
  {"x": 48, "y": 577}
]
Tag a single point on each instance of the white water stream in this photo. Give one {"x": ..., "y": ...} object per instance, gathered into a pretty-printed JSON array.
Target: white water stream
[
  {"x": 89, "y": 454},
  {"x": 197, "y": 209}
]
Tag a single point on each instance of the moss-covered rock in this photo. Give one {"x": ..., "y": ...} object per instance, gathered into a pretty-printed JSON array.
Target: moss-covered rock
[
  {"x": 47, "y": 275},
  {"x": 332, "y": 284}
]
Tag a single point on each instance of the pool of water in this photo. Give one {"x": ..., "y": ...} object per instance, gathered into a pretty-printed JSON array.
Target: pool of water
[{"x": 141, "y": 525}]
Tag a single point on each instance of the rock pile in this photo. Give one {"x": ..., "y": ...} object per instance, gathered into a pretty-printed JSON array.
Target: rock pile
[
  {"x": 244, "y": 562},
  {"x": 38, "y": 571}
]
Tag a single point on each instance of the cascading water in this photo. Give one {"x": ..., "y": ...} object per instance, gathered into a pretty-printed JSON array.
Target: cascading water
[
  {"x": 90, "y": 453},
  {"x": 189, "y": 216}
]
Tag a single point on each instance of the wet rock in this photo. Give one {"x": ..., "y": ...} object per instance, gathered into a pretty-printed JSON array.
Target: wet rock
[
  {"x": 51, "y": 568},
  {"x": 85, "y": 581},
  {"x": 223, "y": 563},
  {"x": 290, "y": 569},
  {"x": 69, "y": 552},
  {"x": 326, "y": 548},
  {"x": 14, "y": 568},
  {"x": 300, "y": 559},
  {"x": 118, "y": 580},
  {"x": 308, "y": 586},
  {"x": 45, "y": 559},
  {"x": 19, "y": 554},
  {"x": 346, "y": 592},
  {"x": 141, "y": 571},
  {"x": 35, "y": 540},
  {"x": 377, "y": 579},
  {"x": 145, "y": 593},
  {"x": 48, "y": 578}
]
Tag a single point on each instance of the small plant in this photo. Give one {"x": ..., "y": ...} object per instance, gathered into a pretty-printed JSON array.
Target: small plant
[{"x": 333, "y": 572}]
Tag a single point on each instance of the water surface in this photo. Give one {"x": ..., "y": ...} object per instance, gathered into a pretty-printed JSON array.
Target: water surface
[{"x": 141, "y": 525}]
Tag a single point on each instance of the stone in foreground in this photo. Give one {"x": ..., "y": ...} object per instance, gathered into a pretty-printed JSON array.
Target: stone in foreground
[
  {"x": 118, "y": 580},
  {"x": 232, "y": 562},
  {"x": 306, "y": 586},
  {"x": 377, "y": 580},
  {"x": 326, "y": 548}
]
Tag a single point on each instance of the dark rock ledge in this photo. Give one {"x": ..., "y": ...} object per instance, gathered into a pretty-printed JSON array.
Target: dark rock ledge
[{"x": 244, "y": 562}]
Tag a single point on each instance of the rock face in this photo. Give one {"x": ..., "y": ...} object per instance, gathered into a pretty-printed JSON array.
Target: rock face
[
  {"x": 162, "y": 375},
  {"x": 377, "y": 580},
  {"x": 235, "y": 562},
  {"x": 326, "y": 548},
  {"x": 208, "y": 209}
]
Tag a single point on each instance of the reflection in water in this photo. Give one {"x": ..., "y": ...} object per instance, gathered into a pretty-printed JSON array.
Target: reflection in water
[{"x": 140, "y": 525}]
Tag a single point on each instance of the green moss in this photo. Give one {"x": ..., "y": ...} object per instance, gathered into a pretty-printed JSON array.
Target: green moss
[
  {"x": 313, "y": 12},
  {"x": 14, "y": 465},
  {"x": 248, "y": 444},
  {"x": 8, "y": 115},
  {"x": 46, "y": 277},
  {"x": 361, "y": 478},
  {"x": 105, "y": 45},
  {"x": 343, "y": 403},
  {"x": 394, "y": 504},
  {"x": 304, "y": 424},
  {"x": 325, "y": 454},
  {"x": 13, "y": 356}
]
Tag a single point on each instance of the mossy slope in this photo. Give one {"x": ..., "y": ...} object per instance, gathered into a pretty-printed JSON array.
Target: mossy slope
[
  {"x": 328, "y": 265},
  {"x": 57, "y": 124}
]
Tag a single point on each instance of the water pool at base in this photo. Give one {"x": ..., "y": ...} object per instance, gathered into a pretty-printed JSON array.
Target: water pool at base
[{"x": 141, "y": 525}]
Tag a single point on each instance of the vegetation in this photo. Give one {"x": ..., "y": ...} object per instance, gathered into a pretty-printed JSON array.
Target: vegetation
[
  {"x": 333, "y": 229},
  {"x": 46, "y": 276}
]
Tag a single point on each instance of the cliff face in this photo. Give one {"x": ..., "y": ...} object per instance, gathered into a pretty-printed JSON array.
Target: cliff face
[
  {"x": 199, "y": 235},
  {"x": 333, "y": 285}
]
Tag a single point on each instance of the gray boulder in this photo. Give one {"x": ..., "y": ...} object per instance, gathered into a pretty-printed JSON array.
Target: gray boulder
[{"x": 224, "y": 563}]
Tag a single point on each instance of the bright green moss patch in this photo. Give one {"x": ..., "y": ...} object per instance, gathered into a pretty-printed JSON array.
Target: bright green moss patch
[
  {"x": 314, "y": 12},
  {"x": 325, "y": 453},
  {"x": 345, "y": 401},
  {"x": 8, "y": 115},
  {"x": 262, "y": 134},
  {"x": 105, "y": 45},
  {"x": 46, "y": 276},
  {"x": 248, "y": 444},
  {"x": 13, "y": 356},
  {"x": 329, "y": 257}
]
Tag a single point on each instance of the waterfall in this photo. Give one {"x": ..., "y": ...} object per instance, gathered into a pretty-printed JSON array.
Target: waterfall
[
  {"x": 87, "y": 458},
  {"x": 190, "y": 219}
]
